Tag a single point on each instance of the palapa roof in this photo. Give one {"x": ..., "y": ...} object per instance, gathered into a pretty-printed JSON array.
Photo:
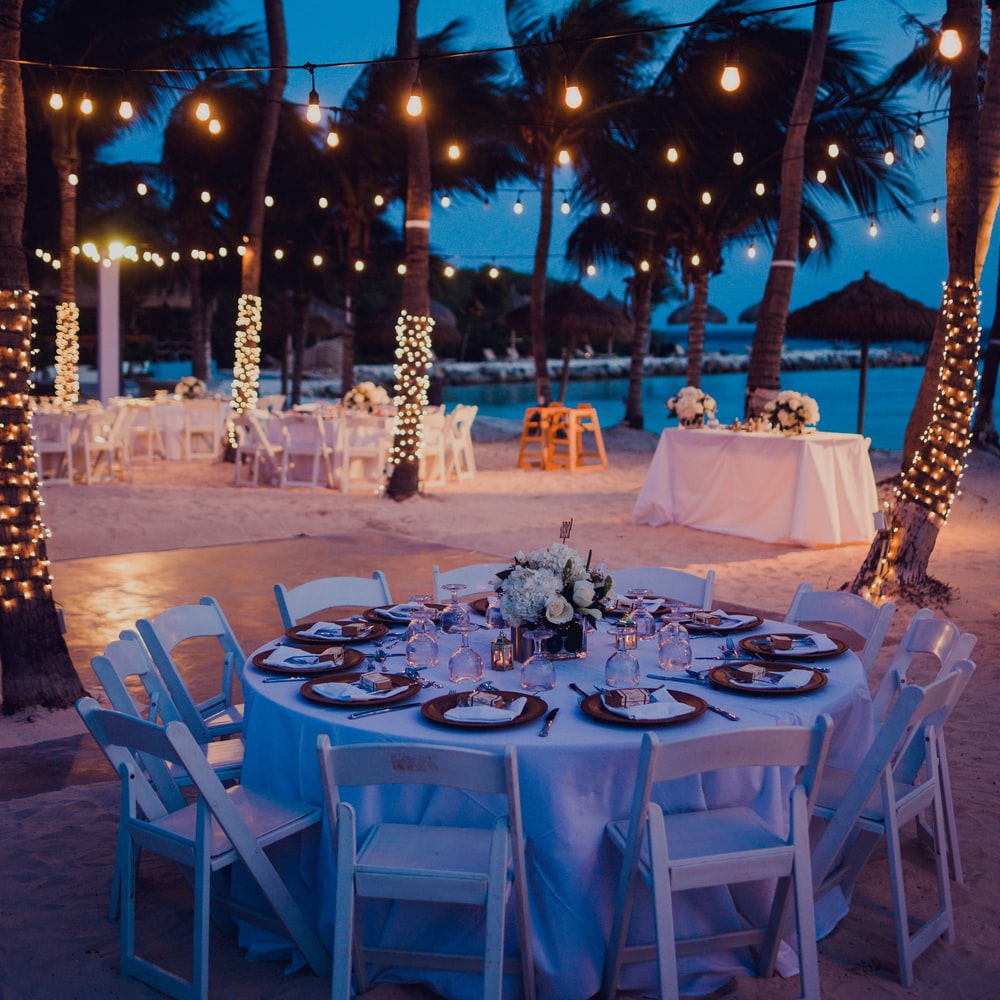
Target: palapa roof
[
  {"x": 682, "y": 314},
  {"x": 572, "y": 311},
  {"x": 864, "y": 307}
]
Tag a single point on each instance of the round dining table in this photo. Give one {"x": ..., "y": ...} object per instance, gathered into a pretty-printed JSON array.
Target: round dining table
[{"x": 573, "y": 782}]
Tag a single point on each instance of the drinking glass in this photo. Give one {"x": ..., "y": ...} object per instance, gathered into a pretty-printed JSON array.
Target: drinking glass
[
  {"x": 421, "y": 636},
  {"x": 674, "y": 643},
  {"x": 454, "y": 614},
  {"x": 494, "y": 616},
  {"x": 421, "y": 612},
  {"x": 538, "y": 672},
  {"x": 465, "y": 664},
  {"x": 622, "y": 668},
  {"x": 645, "y": 623}
]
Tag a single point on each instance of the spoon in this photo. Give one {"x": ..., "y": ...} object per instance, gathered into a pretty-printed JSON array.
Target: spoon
[{"x": 579, "y": 690}]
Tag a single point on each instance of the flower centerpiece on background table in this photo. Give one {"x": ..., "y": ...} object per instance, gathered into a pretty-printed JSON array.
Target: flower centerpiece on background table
[
  {"x": 190, "y": 387},
  {"x": 791, "y": 411},
  {"x": 553, "y": 589},
  {"x": 692, "y": 406},
  {"x": 366, "y": 396}
]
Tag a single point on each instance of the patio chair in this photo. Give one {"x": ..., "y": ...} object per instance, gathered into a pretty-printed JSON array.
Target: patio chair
[
  {"x": 868, "y": 621},
  {"x": 202, "y": 430},
  {"x": 206, "y": 837},
  {"x": 675, "y": 584},
  {"x": 306, "y": 459},
  {"x": 433, "y": 460},
  {"x": 710, "y": 847},
  {"x": 257, "y": 456},
  {"x": 477, "y": 577},
  {"x": 52, "y": 435},
  {"x": 103, "y": 442},
  {"x": 417, "y": 862},
  {"x": 461, "y": 453},
  {"x": 296, "y": 603},
  {"x": 145, "y": 436},
  {"x": 362, "y": 450}
]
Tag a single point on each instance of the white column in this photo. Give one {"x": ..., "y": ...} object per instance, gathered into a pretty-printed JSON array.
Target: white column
[{"x": 108, "y": 331}]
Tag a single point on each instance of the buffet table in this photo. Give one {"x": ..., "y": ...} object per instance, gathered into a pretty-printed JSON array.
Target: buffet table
[
  {"x": 572, "y": 783},
  {"x": 811, "y": 489}
]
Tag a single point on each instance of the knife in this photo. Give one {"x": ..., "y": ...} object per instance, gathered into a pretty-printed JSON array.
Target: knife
[
  {"x": 379, "y": 711},
  {"x": 722, "y": 711},
  {"x": 549, "y": 719}
]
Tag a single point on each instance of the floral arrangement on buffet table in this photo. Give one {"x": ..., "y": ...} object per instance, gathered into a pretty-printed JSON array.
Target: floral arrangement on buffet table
[
  {"x": 366, "y": 396},
  {"x": 190, "y": 387},
  {"x": 790, "y": 411},
  {"x": 692, "y": 406},
  {"x": 554, "y": 589}
]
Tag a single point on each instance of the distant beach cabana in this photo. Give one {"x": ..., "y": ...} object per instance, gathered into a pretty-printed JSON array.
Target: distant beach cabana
[
  {"x": 749, "y": 315},
  {"x": 682, "y": 314}
]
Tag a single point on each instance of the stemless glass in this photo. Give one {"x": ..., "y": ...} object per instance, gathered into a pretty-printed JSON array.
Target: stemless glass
[
  {"x": 465, "y": 664},
  {"x": 674, "y": 643},
  {"x": 421, "y": 636},
  {"x": 622, "y": 668},
  {"x": 454, "y": 614},
  {"x": 645, "y": 623},
  {"x": 538, "y": 672}
]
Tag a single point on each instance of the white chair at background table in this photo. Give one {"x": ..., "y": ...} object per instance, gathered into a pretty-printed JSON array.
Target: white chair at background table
[
  {"x": 897, "y": 781},
  {"x": 710, "y": 847},
  {"x": 296, "y": 603},
  {"x": 461, "y": 454},
  {"x": 257, "y": 456},
  {"x": 362, "y": 450},
  {"x": 840, "y": 607},
  {"x": 477, "y": 577},
  {"x": 306, "y": 459},
  {"x": 145, "y": 437},
  {"x": 52, "y": 434},
  {"x": 476, "y": 866},
  {"x": 103, "y": 444},
  {"x": 202, "y": 430},
  {"x": 434, "y": 457},
  {"x": 207, "y": 836},
  {"x": 676, "y": 584}
]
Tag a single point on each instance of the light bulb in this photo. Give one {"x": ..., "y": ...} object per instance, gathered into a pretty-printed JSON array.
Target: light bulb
[
  {"x": 889, "y": 157},
  {"x": 672, "y": 155},
  {"x": 935, "y": 214},
  {"x": 313, "y": 112},
  {"x": 323, "y": 202},
  {"x": 644, "y": 266},
  {"x": 400, "y": 269},
  {"x": 564, "y": 159},
  {"x": 730, "y": 79},
  {"x": 518, "y": 206},
  {"x": 445, "y": 201},
  {"x": 706, "y": 197},
  {"x": 449, "y": 271},
  {"x": 833, "y": 150},
  {"x": 415, "y": 102},
  {"x": 591, "y": 270},
  {"x": 605, "y": 208},
  {"x": 141, "y": 189},
  {"x": 215, "y": 126},
  {"x": 317, "y": 260},
  {"x": 203, "y": 112},
  {"x": 738, "y": 157},
  {"x": 279, "y": 254},
  {"x": 651, "y": 204},
  {"x": 125, "y": 109},
  {"x": 873, "y": 229},
  {"x": 333, "y": 138},
  {"x": 695, "y": 259},
  {"x": 454, "y": 151},
  {"x": 379, "y": 200},
  {"x": 564, "y": 208},
  {"x": 494, "y": 272},
  {"x": 73, "y": 180},
  {"x": 86, "y": 105},
  {"x": 760, "y": 189},
  {"x": 821, "y": 175},
  {"x": 573, "y": 98},
  {"x": 812, "y": 241},
  {"x": 56, "y": 101},
  {"x": 950, "y": 43},
  {"x": 919, "y": 139},
  {"x": 359, "y": 266},
  {"x": 752, "y": 250},
  {"x": 206, "y": 196},
  {"x": 269, "y": 200}
]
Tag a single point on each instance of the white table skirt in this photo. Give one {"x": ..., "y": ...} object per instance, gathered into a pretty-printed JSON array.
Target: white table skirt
[
  {"x": 813, "y": 489},
  {"x": 572, "y": 784}
]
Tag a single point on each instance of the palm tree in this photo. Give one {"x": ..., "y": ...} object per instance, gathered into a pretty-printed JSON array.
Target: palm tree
[
  {"x": 57, "y": 38},
  {"x": 549, "y": 53},
  {"x": 37, "y": 669}
]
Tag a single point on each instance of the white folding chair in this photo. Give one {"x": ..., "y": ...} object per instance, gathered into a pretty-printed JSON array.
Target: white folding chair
[
  {"x": 145, "y": 437},
  {"x": 305, "y": 455},
  {"x": 201, "y": 432},
  {"x": 257, "y": 456},
  {"x": 206, "y": 837},
  {"x": 676, "y": 584},
  {"x": 868, "y": 621},
  {"x": 103, "y": 439},
  {"x": 295, "y": 603},
  {"x": 898, "y": 779},
  {"x": 477, "y": 577},
  {"x": 362, "y": 450},
  {"x": 52, "y": 435},
  {"x": 433, "y": 458},
  {"x": 462, "y": 455},
  {"x": 718, "y": 847},
  {"x": 217, "y": 715},
  {"x": 470, "y": 865}
]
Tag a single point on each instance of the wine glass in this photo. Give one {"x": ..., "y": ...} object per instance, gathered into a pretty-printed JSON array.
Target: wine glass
[
  {"x": 674, "y": 643},
  {"x": 454, "y": 614},
  {"x": 494, "y": 616},
  {"x": 421, "y": 636},
  {"x": 538, "y": 672},
  {"x": 465, "y": 664},
  {"x": 420, "y": 612},
  {"x": 645, "y": 623},
  {"x": 622, "y": 668}
]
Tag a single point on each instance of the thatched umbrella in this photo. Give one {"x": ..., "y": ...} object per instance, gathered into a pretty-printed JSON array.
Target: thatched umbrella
[
  {"x": 380, "y": 330},
  {"x": 749, "y": 315},
  {"x": 682, "y": 315},
  {"x": 863, "y": 310}
]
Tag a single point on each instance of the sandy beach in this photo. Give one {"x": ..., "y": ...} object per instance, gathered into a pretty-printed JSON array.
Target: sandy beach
[{"x": 181, "y": 530}]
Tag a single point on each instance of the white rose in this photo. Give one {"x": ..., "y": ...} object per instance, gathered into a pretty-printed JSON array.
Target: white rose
[
  {"x": 559, "y": 610},
  {"x": 583, "y": 593}
]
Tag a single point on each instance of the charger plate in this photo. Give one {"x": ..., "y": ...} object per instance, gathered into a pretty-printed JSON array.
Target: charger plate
[
  {"x": 757, "y": 645},
  {"x": 722, "y": 677},
  {"x": 403, "y": 687},
  {"x": 480, "y": 604},
  {"x": 433, "y": 711},
  {"x": 352, "y": 658},
  {"x": 594, "y": 707},
  {"x": 379, "y": 617},
  {"x": 370, "y": 633},
  {"x": 723, "y": 629}
]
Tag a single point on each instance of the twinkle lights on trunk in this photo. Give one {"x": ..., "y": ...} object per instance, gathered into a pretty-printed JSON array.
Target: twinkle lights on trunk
[
  {"x": 67, "y": 383},
  {"x": 24, "y": 567},
  {"x": 932, "y": 479},
  {"x": 412, "y": 373},
  {"x": 246, "y": 365}
]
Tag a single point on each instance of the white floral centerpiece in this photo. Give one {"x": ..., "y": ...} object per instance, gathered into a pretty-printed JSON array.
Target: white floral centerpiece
[
  {"x": 366, "y": 396},
  {"x": 791, "y": 411},
  {"x": 553, "y": 589},
  {"x": 692, "y": 406},
  {"x": 190, "y": 387}
]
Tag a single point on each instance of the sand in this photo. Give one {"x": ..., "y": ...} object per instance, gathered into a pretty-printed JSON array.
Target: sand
[{"x": 57, "y": 845}]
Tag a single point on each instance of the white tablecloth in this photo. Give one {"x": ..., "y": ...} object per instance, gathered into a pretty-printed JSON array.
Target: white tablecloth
[
  {"x": 572, "y": 784},
  {"x": 812, "y": 489}
]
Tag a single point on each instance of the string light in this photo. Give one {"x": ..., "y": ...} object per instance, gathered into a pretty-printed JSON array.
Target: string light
[
  {"x": 56, "y": 100},
  {"x": 812, "y": 241},
  {"x": 493, "y": 272},
  {"x": 833, "y": 151},
  {"x": 889, "y": 157},
  {"x": 454, "y": 150},
  {"x": 379, "y": 200},
  {"x": 573, "y": 95},
  {"x": 950, "y": 41},
  {"x": 563, "y": 158},
  {"x": 565, "y": 207},
  {"x": 738, "y": 157},
  {"x": 644, "y": 266},
  {"x": 141, "y": 189},
  {"x": 400, "y": 269},
  {"x": 935, "y": 214},
  {"x": 86, "y": 104},
  {"x": 873, "y": 229},
  {"x": 203, "y": 111},
  {"x": 730, "y": 79},
  {"x": 672, "y": 154},
  {"x": 821, "y": 175},
  {"x": 650, "y": 204},
  {"x": 518, "y": 205},
  {"x": 246, "y": 364},
  {"x": 591, "y": 270},
  {"x": 412, "y": 376},
  {"x": 445, "y": 201},
  {"x": 706, "y": 197},
  {"x": 752, "y": 250},
  {"x": 313, "y": 111},
  {"x": 696, "y": 259},
  {"x": 605, "y": 208},
  {"x": 919, "y": 139},
  {"x": 359, "y": 265},
  {"x": 760, "y": 189},
  {"x": 66, "y": 389},
  {"x": 214, "y": 126},
  {"x": 415, "y": 102},
  {"x": 449, "y": 271}
]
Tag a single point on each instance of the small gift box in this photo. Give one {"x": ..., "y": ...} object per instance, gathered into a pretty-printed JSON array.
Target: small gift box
[{"x": 374, "y": 681}]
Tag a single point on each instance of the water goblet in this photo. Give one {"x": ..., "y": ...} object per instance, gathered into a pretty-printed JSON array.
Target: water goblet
[
  {"x": 645, "y": 623},
  {"x": 622, "y": 667},
  {"x": 494, "y": 616},
  {"x": 538, "y": 672},
  {"x": 421, "y": 636},
  {"x": 420, "y": 612},
  {"x": 465, "y": 664},
  {"x": 674, "y": 643},
  {"x": 454, "y": 614}
]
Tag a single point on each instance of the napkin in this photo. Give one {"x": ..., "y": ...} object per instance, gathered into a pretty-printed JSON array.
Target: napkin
[
  {"x": 486, "y": 713},
  {"x": 289, "y": 656},
  {"x": 794, "y": 678},
  {"x": 325, "y": 630},
  {"x": 663, "y": 706},
  {"x": 813, "y": 642},
  {"x": 728, "y": 621},
  {"x": 400, "y": 612},
  {"x": 342, "y": 691}
]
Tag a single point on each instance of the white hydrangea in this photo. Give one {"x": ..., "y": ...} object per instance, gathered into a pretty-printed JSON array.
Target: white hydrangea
[
  {"x": 691, "y": 403},
  {"x": 791, "y": 410}
]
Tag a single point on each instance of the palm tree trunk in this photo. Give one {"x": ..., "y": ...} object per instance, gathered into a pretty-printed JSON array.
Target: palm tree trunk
[
  {"x": 66, "y": 160},
  {"x": 37, "y": 669},
  {"x": 413, "y": 330},
  {"x": 897, "y": 561},
  {"x": 696, "y": 327},
  {"x": 764, "y": 372},
  {"x": 539, "y": 279},
  {"x": 642, "y": 298},
  {"x": 199, "y": 322},
  {"x": 246, "y": 367}
]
